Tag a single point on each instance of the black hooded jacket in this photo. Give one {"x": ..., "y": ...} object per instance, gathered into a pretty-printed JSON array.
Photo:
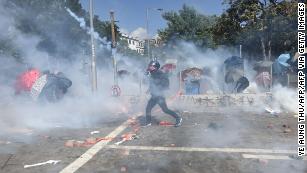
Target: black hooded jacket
[{"x": 158, "y": 83}]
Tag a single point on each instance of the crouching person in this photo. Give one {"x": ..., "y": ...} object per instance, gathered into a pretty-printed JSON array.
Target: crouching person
[
  {"x": 42, "y": 85},
  {"x": 55, "y": 88}
]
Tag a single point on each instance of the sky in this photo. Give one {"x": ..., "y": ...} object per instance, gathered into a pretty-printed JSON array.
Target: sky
[{"x": 131, "y": 14}]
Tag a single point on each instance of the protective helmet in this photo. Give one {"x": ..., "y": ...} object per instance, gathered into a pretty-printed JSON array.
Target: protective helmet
[{"x": 153, "y": 66}]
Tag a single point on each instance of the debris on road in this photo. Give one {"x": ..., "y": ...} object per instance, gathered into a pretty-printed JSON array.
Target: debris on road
[
  {"x": 95, "y": 132},
  {"x": 91, "y": 140},
  {"x": 136, "y": 129},
  {"x": 134, "y": 124},
  {"x": 271, "y": 111},
  {"x": 43, "y": 163},
  {"x": 69, "y": 143},
  {"x": 87, "y": 142},
  {"x": 79, "y": 143},
  {"x": 127, "y": 137},
  {"x": 287, "y": 128},
  {"x": 165, "y": 123},
  {"x": 132, "y": 121},
  {"x": 105, "y": 139}
]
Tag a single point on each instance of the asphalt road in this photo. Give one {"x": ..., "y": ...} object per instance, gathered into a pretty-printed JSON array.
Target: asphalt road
[{"x": 210, "y": 141}]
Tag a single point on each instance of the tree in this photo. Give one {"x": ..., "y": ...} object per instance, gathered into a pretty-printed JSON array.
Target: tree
[
  {"x": 259, "y": 25},
  {"x": 187, "y": 25},
  {"x": 104, "y": 29},
  {"x": 76, "y": 7}
]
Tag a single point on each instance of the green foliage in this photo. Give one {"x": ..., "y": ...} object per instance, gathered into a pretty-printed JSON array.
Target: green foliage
[
  {"x": 261, "y": 26},
  {"x": 76, "y": 7},
  {"x": 188, "y": 25}
]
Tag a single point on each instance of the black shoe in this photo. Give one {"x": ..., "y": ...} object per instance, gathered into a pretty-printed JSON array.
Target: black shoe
[
  {"x": 178, "y": 122},
  {"x": 146, "y": 125}
]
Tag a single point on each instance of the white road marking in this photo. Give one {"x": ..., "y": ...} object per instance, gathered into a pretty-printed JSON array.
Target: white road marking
[
  {"x": 191, "y": 149},
  {"x": 269, "y": 157},
  {"x": 42, "y": 163},
  {"x": 88, "y": 155}
]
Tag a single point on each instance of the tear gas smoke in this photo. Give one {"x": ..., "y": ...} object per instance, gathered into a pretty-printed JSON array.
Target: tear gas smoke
[
  {"x": 88, "y": 29},
  {"x": 79, "y": 108}
]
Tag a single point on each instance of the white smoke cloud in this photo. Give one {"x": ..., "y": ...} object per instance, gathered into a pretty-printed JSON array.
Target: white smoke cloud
[
  {"x": 79, "y": 108},
  {"x": 88, "y": 29},
  {"x": 79, "y": 19},
  {"x": 139, "y": 33},
  {"x": 284, "y": 99},
  {"x": 124, "y": 31}
]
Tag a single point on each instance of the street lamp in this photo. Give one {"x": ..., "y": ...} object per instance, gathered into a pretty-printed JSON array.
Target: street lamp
[
  {"x": 93, "y": 60},
  {"x": 147, "y": 23}
]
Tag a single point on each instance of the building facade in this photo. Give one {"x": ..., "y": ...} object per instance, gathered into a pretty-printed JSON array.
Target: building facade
[
  {"x": 134, "y": 44},
  {"x": 139, "y": 45}
]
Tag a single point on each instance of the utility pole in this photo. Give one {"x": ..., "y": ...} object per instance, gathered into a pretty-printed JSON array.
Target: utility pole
[
  {"x": 240, "y": 50},
  {"x": 113, "y": 46},
  {"x": 147, "y": 28},
  {"x": 242, "y": 57},
  {"x": 147, "y": 33},
  {"x": 93, "y": 60},
  {"x": 115, "y": 88},
  {"x": 113, "y": 29}
]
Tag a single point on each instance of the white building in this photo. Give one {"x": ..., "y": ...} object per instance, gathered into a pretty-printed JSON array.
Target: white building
[
  {"x": 139, "y": 45},
  {"x": 134, "y": 44}
]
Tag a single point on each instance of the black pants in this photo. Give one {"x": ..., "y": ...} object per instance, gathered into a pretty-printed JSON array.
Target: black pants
[{"x": 160, "y": 100}]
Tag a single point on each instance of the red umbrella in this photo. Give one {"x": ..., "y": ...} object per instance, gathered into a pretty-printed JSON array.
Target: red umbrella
[
  {"x": 194, "y": 71},
  {"x": 27, "y": 79},
  {"x": 168, "y": 68}
]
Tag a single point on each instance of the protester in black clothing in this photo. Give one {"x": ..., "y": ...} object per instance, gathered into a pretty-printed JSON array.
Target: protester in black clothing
[
  {"x": 159, "y": 82},
  {"x": 56, "y": 86},
  {"x": 242, "y": 84}
]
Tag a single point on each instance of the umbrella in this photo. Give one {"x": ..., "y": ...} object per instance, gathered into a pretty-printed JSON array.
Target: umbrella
[
  {"x": 283, "y": 58},
  {"x": 27, "y": 79},
  {"x": 191, "y": 72},
  {"x": 168, "y": 68}
]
